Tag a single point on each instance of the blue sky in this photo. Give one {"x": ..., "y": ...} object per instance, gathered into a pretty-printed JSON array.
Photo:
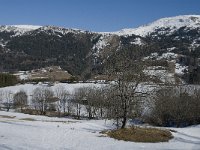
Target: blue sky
[{"x": 94, "y": 15}]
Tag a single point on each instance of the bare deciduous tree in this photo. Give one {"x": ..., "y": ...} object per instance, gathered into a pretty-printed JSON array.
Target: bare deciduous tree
[
  {"x": 175, "y": 106},
  {"x": 1, "y": 98},
  {"x": 128, "y": 74},
  {"x": 20, "y": 99},
  {"x": 42, "y": 97},
  {"x": 78, "y": 100},
  {"x": 63, "y": 96},
  {"x": 8, "y": 97}
]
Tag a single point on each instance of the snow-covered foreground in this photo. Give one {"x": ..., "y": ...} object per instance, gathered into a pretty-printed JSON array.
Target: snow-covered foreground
[{"x": 46, "y": 133}]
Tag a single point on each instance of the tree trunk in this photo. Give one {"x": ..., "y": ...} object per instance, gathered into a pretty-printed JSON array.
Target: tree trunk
[
  {"x": 64, "y": 110},
  {"x": 64, "y": 105},
  {"x": 78, "y": 111},
  {"x": 117, "y": 122},
  {"x": 8, "y": 106},
  {"x": 124, "y": 119},
  {"x": 123, "y": 122},
  {"x": 101, "y": 112},
  {"x": 59, "y": 113}
]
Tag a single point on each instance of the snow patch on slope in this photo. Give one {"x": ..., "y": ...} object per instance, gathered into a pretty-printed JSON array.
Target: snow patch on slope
[
  {"x": 102, "y": 42},
  {"x": 2, "y": 45},
  {"x": 161, "y": 73},
  {"x": 167, "y": 56},
  {"x": 137, "y": 41},
  {"x": 180, "y": 69}
]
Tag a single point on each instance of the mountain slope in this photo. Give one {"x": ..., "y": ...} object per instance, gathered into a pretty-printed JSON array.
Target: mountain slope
[{"x": 171, "y": 43}]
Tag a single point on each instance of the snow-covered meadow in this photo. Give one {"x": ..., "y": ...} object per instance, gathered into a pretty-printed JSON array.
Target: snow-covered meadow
[
  {"x": 28, "y": 132},
  {"x": 29, "y": 88},
  {"x": 44, "y": 133}
]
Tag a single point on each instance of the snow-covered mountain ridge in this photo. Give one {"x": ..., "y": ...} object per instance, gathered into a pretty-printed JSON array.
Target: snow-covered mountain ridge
[
  {"x": 171, "y": 23},
  {"x": 20, "y": 30}
]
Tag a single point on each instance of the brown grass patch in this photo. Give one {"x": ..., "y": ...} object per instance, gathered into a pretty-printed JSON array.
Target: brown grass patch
[
  {"x": 54, "y": 73},
  {"x": 5, "y": 116},
  {"x": 27, "y": 119},
  {"x": 139, "y": 134}
]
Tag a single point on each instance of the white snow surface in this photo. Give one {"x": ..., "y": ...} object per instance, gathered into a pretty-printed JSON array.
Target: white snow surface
[
  {"x": 27, "y": 27},
  {"x": 18, "y": 29},
  {"x": 173, "y": 23},
  {"x": 137, "y": 41},
  {"x": 51, "y": 133},
  {"x": 180, "y": 69},
  {"x": 59, "y": 31},
  {"x": 67, "y": 134},
  {"x": 22, "y": 29},
  {"x": 166, "y": 56},
  {"x": 102, "y": 42},
  {"x": 23, "y": 75}
]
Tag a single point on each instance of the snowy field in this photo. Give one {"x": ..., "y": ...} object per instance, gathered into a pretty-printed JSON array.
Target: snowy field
[
  {"x": 44, "y": 133},
  {"x": 28, "y": 132},
  {"x": 28, "y": 88}
]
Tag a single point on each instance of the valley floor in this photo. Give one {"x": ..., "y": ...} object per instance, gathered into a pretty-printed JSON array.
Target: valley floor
[{"x": 28, "y": 132}]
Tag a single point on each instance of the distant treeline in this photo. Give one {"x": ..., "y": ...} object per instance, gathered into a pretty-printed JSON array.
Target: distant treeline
[{"x": 7, "y": 79}]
